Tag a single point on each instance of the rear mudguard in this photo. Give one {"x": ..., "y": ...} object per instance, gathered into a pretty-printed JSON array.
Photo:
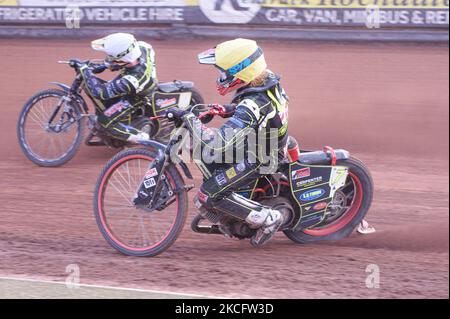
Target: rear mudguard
[
  {"x": 67, "y": 89},
  {"x": 166, "y": 96},
  {"x": 63, "y": 86},
  {"x": 322, "y": 157},
  {"x": 175, "y": 86}
]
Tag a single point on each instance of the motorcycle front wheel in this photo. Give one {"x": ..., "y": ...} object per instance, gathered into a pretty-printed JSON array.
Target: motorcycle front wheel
[
  {"x": 132, "y": 230},
  {"x": 49, "y": 130}
]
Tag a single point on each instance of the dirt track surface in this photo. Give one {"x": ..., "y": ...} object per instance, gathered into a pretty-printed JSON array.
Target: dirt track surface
[{"x": 387, "y": 104}]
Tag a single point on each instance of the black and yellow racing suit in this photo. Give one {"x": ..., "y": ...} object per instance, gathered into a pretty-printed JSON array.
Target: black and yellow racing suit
[
  {"x": 118, "y": 99},
  {"x": 258, "y": 110}
]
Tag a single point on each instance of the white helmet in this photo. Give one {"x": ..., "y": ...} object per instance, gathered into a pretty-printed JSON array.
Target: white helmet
[{"x": 119, "y": 47}]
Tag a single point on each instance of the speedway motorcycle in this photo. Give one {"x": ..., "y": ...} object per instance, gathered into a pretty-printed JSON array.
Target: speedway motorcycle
[
  {"x": 141, "y": 202},
  {"x": 50, "y": 129}
]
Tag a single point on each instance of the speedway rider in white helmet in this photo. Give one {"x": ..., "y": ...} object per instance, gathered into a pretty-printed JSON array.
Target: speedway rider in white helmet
[
  {"x": 259, "y": 105},
  {"x": 117, "y": 99}
]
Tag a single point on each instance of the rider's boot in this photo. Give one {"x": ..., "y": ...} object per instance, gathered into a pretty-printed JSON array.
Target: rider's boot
[{"x": 267, "y": 221}]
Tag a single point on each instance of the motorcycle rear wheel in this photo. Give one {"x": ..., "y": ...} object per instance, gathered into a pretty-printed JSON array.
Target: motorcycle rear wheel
[{"x": 361, "y": 183}]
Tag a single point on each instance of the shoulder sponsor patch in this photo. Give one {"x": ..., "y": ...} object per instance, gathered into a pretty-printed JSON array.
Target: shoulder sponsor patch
[
  {"x": 134, "y": 82},
  {"x": 252, "y": 107}
]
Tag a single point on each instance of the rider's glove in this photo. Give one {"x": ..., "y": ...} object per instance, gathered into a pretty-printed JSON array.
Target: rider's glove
[
  {"x": 98, "y": 68},
  {"x": 175, "y": 115},
  {"x": 113, "y": 67},
  {"x": 225, "y": 111},
  {"x": 76, "y": 64}
]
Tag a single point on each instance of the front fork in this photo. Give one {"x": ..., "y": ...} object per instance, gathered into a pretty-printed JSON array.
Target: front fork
[
  {"x": 62, "y": 124},
  {"x": 147, "y": 192}
]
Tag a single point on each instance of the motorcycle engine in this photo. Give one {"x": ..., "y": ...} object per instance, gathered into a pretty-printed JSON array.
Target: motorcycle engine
[{"x": 229, "y": 226}]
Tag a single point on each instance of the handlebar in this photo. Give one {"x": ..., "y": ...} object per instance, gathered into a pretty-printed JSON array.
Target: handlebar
[
  {"x": 212, "y": 111},
  {"x": 95, "y": 61},
  {"x": 75, "y": 62}
]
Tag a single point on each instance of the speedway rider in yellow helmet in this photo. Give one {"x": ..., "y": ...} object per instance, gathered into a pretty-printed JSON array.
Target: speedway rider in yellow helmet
[
  {"x": 117, "y": 99},
  {"x": 259, "y": 105}
]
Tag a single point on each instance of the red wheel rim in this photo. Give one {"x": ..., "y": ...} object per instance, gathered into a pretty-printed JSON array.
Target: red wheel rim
[
  {"x": 103, "y": 221},
  {"x": 347, "y": 217}
]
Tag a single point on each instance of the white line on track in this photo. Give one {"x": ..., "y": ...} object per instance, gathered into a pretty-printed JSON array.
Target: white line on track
[{"x": 162, "y": 292}]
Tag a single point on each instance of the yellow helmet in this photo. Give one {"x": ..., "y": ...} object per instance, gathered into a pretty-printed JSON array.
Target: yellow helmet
[{"x": 240, "y": 61}]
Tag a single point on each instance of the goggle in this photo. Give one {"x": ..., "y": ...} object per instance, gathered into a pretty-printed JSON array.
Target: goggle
[
  {"x": 231, "y": 72},
  {"x": 116, "y": 58}
]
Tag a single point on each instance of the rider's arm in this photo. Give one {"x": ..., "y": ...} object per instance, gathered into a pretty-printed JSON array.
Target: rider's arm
[
  {"x": 126, "y": 85},
  {"x": 247, "y": 116}
]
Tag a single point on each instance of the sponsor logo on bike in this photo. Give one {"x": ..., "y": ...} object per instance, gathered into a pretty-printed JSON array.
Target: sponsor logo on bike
[
  {"x": 221, "y": 179},
  {"x": 202, "y": 197},
  {"x": 320, "y": 206},
  {"x": 240, "y": 167},
  {"x": 143, "y": 194},
  {"x": 149, "y": 182},
  {"x": 151, "y": 173},
  {"x": 231, "y": 173},
  {"x": 312, "y": 195},
  {"x": 166, "y": 102},
  {"x": 301, "y": 173},
  {"x": 310, "y": 182}
]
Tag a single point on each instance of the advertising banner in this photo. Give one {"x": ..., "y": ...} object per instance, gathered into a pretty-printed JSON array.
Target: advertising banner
[
  {"x": 291, "y": 13},
  {"x": 8, "y": 3},
  {"x": 379, "y": 13},
  {"x": 92, "y": 15},
  {"x": 103, "y": 3}
]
